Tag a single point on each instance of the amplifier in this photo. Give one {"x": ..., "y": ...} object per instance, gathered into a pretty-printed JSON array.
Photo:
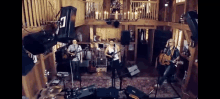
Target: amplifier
[
  {"x": 101, "y": 62},
  {"x": 134, "y": 93}
]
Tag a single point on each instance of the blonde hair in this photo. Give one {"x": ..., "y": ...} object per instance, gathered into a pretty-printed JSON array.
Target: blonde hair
[{"x": 170, "y": 40}]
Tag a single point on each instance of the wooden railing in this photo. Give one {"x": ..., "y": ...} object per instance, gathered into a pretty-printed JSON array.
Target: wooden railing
[
  {"x": 38, "y": 12},
  {"x": 94, "y": 10},
  {"x": 144, "y": 10},
  {"x": 136, "y": 10}
]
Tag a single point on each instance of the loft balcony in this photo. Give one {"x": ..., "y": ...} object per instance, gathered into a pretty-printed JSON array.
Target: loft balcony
[{"x": 132, "y": 10}]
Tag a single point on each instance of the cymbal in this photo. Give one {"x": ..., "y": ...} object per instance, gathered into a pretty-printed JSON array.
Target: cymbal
[{"x": 50, "y": 92}]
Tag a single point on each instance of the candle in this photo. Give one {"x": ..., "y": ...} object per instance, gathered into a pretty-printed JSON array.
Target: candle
[
  {"x": 136, "y": 15},
  {"x": 125, "y": 15},
  {"x": 96, "y": 15},
  {"x": 132, "y": 17},
  {"x": 105, "y": 15},
  {"x": 116, "y": 15},
  {"x": 100, "y": 15},
  {"x": 128, "y": 15}
]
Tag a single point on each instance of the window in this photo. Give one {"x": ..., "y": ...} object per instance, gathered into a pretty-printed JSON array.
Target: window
[{"x": 177, "y": 1}]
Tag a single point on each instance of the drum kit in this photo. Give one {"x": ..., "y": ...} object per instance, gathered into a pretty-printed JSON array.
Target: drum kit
[{"x": 51, "y": 92}]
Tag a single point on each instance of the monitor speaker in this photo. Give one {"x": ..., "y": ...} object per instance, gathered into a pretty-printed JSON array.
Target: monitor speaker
[
  {"x": 133, "y": 70},
  {"x": 67, "y": 24},
  {"x": 192, "y": 20},
  {"x": 125, "y": 37}
]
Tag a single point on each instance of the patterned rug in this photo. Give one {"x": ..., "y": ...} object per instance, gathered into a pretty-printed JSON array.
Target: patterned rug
[{"x": 142, "y": 83}]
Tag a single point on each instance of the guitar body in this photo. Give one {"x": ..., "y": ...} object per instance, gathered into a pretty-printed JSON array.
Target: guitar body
[
  {"x": 109, "y": 58},
  {"x": 164, "y": 59}
]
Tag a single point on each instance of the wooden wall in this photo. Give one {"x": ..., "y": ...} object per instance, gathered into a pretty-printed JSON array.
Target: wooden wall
[
  {"x": 80, "y": 14},
  {"x": 38, "y": 12},
  {"x": 35, "y": 80}
]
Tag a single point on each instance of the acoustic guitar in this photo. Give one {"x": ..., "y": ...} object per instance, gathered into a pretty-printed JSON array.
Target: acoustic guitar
[
  {"x": 74, "y": 53},
  {"x": 164, "y": 59}
]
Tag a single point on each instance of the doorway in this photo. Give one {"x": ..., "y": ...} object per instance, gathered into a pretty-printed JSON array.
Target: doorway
[{"x": 142, "y": 43}]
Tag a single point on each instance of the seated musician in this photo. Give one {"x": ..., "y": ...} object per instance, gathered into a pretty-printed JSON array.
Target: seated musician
[
  {"x": 75, "y": 61},
  {"x": 167, "y": 71},
  {"x": 116, "y": 58}
]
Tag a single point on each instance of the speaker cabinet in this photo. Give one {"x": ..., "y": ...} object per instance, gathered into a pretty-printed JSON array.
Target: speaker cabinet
[
  {"x": 125, "y": 37},
  {"x": 67, "y": 24},
  {"x": 192, "y": 20}
]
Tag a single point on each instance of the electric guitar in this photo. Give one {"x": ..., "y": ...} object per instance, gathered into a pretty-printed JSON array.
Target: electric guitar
[{"x": 112, "y": 55}]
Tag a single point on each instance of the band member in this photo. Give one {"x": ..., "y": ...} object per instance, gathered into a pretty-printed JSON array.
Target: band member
[
  {"x": 114, "y": 48},
  {"x": 167, "y": 71},
  {"x": 75, "y": 61}
]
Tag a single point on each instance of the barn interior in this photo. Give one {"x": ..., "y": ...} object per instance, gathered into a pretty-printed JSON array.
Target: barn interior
[{"x": 141, "y": 29}]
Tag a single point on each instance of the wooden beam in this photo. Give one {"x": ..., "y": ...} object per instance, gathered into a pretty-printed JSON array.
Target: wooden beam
[
  {"x": 25, "y": 84},
  {"x": 179, "y": 26},
  {"x": 191, "y": 62}
]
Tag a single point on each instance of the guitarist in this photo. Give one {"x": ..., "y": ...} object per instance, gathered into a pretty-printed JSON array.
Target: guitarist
[
  {"x": 113, "y": 48},
  {"x": 167, "y": 71},
  {"x": 75, "y": 61}
]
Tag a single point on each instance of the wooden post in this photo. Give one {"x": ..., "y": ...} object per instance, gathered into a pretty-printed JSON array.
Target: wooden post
[
  {"x": 136, "y": 42},
  {"x": 157, "y": 9},
  {"x": 23, "y": 20},
  {"x": 26, "y": 13},
  {"x": 186, "y": 6},
  {"x": 34, "y": 12},
  {"x": 37, "y": 12},
  {"x": 30, "y": 13}
]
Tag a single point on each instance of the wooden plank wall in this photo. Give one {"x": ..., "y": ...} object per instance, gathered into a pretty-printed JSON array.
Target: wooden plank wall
[
  {"x": 80, "y": 14},
  {"x": 34, "y": 81},
  {"x": 38, "y": 12}
]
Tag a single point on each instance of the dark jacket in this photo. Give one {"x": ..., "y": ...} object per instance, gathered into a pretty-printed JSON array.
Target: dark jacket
[{"x": 175, "y": 54}]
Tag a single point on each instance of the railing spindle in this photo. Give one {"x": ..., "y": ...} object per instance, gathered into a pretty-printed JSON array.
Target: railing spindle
[
  {"x": 23, "y": 16},
  {"x": 34, "y": 13}
]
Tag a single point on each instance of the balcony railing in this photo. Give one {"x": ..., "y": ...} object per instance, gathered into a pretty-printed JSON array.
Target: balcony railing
[{"x": 136, "y": 10}]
